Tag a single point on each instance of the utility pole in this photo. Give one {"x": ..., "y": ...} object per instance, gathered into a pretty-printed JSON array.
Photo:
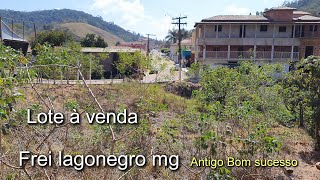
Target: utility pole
[
  {"x": 1, "y": 29},
  {"x": 148, "y": 43},
  {"x": 148, "y": 46},
  {"x": 179, "y": 23}
]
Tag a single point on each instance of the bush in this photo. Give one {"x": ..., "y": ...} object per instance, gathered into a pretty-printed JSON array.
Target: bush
[
  {"x": 54, "y": 38},
  {"x": 165, "y": 50}
]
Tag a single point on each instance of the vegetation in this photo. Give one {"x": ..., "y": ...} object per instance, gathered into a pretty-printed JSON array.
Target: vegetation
[
  {"x": 54, "y": 38},
  {"x": 164, "y": 50},
  {"x": 312, "y": 6},
  {"x": 80, "y": 30},
  {"x": 92, "y": 41},
  {"x": 47, "y": 17},
  {"x": 132, "y": 64},
  {"x": 247, "y": 112},
  {"x": 302, "y": 90},
  {"x": 62, "y": 63},
  {"x": 173, "y": 35}
]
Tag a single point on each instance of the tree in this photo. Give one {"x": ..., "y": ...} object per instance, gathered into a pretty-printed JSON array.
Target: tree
[
  {"x": 88, "y": 41},
  {"x": 173, "y": 35},
  {"x": 69, "y": 55},
  {"x": 54, "y": 38},
  {"x": 100, "y": 42},
  {"x": 307, "y": 79},
  {"x": 11, "y": 80},
  {"x": 91, "y": 40},
  {"x": 132, "y": 63}
]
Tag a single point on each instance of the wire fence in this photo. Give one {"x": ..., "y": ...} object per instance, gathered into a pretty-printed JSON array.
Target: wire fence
[{"x": 24, "y": 29}]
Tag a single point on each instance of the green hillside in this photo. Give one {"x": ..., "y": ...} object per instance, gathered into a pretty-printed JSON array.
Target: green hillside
[
  {"x": 54, "y": 17},
  {"x": 312, "y": 6}
]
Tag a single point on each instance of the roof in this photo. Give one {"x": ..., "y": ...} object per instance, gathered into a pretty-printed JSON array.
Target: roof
[
  {"x": 8, "y": 34},
  {"x": 236, "y": 18},
  {"x": 109, "y": 49},
  {"x": 185, "y": 42},
  {"x": 132, "y": 43},
  {"x": 301, "y": 13},
  {"x": 282, "y": 8},
  {"x": 307, "y": 18}
]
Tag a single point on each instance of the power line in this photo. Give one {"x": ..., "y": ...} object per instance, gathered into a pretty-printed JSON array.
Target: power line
[{"x": 179, "y": 23}]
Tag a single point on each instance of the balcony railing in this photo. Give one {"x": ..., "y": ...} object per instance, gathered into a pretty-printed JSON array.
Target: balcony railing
[{"x": 238, "y": 55}]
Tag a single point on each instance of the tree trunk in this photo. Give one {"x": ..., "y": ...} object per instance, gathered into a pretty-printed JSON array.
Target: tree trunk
[
  {"x": 317, "y": 128},
  {"x": 301, "y": 125}
]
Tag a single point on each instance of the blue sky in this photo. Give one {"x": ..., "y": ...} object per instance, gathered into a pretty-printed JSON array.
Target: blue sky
[{"x": 148, "y": 16}]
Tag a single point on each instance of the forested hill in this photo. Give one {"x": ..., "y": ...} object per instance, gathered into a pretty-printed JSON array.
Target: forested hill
[
  {"x": 48, "y": 17},
  {"x": 312, "y": 6}
]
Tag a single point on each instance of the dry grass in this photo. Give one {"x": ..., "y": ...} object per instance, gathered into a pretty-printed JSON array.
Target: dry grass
[
  {"x": 162, "y": 130},
  {"x": 82, "y": 29}
]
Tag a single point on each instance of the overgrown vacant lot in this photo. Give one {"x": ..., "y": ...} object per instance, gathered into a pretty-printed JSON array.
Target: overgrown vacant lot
[
  {"x": 168, "y": 124},
  {"x": 250, "y": 113}
]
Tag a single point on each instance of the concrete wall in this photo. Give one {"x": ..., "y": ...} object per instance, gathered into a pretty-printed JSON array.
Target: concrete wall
[
  {"x": 280, "y": 15},
  {"x": 310, "y": 42}
]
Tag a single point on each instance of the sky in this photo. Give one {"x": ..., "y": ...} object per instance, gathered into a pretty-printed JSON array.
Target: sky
[{"x": 148, "y": 16}]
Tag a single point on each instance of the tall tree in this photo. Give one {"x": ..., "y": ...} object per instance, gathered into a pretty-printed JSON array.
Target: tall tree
[
  {"x": 308, "y": 76},
  {"x": 173, "y": 35},
  {"x": 91, "y": 40}
]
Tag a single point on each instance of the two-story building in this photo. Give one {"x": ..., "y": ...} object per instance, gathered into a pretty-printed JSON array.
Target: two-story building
[{"x": 281, "y": 34}]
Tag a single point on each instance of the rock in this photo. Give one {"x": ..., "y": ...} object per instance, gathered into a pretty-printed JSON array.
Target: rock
[
  {"x": 318, "y": 165},
  {"x": 153, "y": 114},
  {"x": 288, "y": 171}
]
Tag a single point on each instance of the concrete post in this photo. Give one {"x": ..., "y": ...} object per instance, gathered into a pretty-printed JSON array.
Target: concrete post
[
  {"x": 273, "y": 36},
  {"x": 216, "y": 27},
  {"x": 300, "y": 30},
  {"x": 229, "y": 51},
  {"x": 229, "y": 31},
  {"x": 255, "y": 43},
  {"x": 242, "y": 35},
  {"x": 255, "y": 52},
  {"x": 313, "y": 27},
  {"x": 293, "y": 37},
  {"x": 196, "y": 45}
]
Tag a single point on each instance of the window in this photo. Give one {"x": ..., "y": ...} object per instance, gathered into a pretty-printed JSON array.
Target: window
[
  {"x": 282, "y": 29},
  {"x": 263, "y": 28},
  {"x": 218, "y": 28},
  {"x": 313, "y": 29}
]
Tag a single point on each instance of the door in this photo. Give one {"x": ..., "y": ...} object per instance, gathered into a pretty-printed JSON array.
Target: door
[{"x": 309, "y": 51}]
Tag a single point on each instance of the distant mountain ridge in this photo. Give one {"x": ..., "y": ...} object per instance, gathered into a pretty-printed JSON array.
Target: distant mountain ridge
[{"x": 53, "y": 17}]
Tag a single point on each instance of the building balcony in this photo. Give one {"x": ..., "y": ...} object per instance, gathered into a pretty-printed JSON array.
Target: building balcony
[
  {"x": 234, "y": 56},
  {"x": 250, "y": 41}
]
